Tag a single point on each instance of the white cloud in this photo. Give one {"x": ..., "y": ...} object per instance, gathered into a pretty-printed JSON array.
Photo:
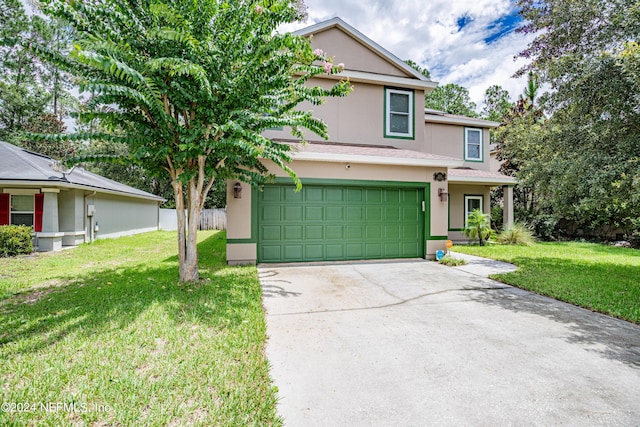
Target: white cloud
[{"x": 428, "y": 33}]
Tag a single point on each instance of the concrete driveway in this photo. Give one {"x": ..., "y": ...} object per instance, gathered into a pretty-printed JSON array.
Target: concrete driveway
[{"x": 414, "y": 343}]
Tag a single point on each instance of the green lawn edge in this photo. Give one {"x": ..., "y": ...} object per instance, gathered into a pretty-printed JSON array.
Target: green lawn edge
[
  {"x": 104, "y": 334},
  {"x": 598, "y": 277}
]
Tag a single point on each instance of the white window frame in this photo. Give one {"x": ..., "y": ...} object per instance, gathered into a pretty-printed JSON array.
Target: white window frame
[
  {"x": 466, "y": 145},
  {"x": 466, "y": 206},
  {"x": 388, "y": 112},
  {"x": 32, "y": 211}
]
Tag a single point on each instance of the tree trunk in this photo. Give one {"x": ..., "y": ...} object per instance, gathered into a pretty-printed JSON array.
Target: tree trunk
[
  {"x": 179, "y": 198},
  {"x": 189, "y": 269}
]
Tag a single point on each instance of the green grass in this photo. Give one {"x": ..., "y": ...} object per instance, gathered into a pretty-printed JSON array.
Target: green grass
[
  {"x": 598, "y": 277},
  {"x": 108, "y": 327}
]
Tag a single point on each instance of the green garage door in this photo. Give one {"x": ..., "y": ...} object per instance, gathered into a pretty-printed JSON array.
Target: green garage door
[{"x": 323, "y": 223}]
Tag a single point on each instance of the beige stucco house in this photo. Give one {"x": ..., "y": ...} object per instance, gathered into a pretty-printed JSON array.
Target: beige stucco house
[
  {"x": 393, "y": 181},
  {"x": 69, "y": 207}
]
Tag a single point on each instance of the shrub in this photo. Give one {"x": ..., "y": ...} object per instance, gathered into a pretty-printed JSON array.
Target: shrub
[
  {"x": 497, "y": 216},
  {"x": 15, "y": 240},
  {"x": 516, "y": 234},
  {"x": 451, "y": 261},
  {"x": 478, "y": 226},
  {"x": 545, "y": 226}
]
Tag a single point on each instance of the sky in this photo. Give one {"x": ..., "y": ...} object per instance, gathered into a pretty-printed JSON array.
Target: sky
[{"x": 468, "y": 42}]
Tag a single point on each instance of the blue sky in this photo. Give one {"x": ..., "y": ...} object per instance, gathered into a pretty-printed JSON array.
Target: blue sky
[{"x": 468, "y": 42}]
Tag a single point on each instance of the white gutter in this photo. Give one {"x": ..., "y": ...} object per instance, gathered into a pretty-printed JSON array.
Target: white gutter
[
  {"x": 480, "y": 180},
  {"x": 376, "y": 160},
  {"x": 469, "y": 121}
]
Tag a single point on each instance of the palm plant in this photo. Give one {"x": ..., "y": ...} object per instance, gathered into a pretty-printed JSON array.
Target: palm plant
[{"x": 478, "y": 226}]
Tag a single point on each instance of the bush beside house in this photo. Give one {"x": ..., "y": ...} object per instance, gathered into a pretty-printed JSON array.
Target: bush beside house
[{"x": 15, "y": 240}]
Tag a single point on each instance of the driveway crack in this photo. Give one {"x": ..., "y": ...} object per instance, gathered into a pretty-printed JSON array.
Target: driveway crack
[{"x": 395, "y": 304}]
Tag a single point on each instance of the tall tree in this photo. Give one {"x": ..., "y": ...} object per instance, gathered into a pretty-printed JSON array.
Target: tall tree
[
  {"x": 422, "y": 70},
  {"x": 22, "y": 97},
  {"x": 30, "y": 90},
  {"x": 451, "y": 98},
  {"x": 496, "y": 103},
  {"x": 588, "y": 53},
  {"x": 192, "y": 86}
]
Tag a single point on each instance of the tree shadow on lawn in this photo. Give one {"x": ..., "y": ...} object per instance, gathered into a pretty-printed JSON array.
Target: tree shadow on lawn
[
  {"x": 613, "y": 338},
  {"x": 113, "y": 299}
]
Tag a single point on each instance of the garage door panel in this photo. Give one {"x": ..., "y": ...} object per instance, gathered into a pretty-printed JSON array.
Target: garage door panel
[
  {"x": 334, "y": 232},
  {"x": 374, "y": 250},
  {"x": 392, "y": 250},
  {"x": 355, "y": 232},
  {"x": 334, "y": 223},
  {"x": 335, "y": 251},
  {"x": 355, "y": 213},
  {"x": 314, "y": 232},
  {"x": 314, "y": 252},
  {"x": 374, "y": 213},
  {"x": 335, "y": 213},
  {"x": 271, "y": 232},
  {"x": 293, "y": 252},
  {"x": 292, "y": 213},
  {"x": 392, "y": 214},
  {"x": 290, "y": 195},
  {"x": 410, "y": 248},
  {"x": 271, "y": 253},
  {"x": 292, "y": 232},
  {"x": 373, "y": 195},
  {"x": 271, "y": 214},
  {"x": 313, "y": 194},
  {"x": 272, "y": 194},
  {"x": 313, "y": 213},
  {"x": 355, "y": 251},
  {"x": 354, "y": 195},
  {"x": 373, "y": 232},
  {"x": 335, "y": 195},
  {"x": 392, "y": 196}
]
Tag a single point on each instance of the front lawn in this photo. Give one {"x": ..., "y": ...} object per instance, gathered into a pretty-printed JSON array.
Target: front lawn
[
  {"x": 598, "y": 277},
  {"x": 105, "y": 335}
]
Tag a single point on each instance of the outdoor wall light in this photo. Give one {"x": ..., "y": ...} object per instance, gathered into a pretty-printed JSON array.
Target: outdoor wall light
[
  {"x": 442, "y": 193},
  {"x": 237, "y": 190}
]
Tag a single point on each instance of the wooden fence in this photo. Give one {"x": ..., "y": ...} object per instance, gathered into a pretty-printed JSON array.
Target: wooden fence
[{"x": 213, "y": 219}]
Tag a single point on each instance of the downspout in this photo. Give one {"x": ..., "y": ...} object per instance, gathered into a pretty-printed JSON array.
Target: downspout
[{"x": 89, "y": 230}]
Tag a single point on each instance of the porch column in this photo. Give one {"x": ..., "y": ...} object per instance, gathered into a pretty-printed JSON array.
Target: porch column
[
  {"x": 507, "y": 206},
  {"x": 50, "y": 239},
  {"x": 50, "y": 222}
]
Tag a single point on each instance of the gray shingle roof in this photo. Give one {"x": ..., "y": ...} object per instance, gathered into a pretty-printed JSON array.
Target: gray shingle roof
[{"x": 18, "y": 164}]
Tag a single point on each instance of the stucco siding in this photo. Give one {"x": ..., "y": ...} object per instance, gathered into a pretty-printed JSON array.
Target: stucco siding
[
  {"x": 448, "y": 140},
  {"x": 353, "y": 54},
  {"x": 358, "y": 118},
  {"x": 456, "y": 204},
  {"x": 71, "y": 210},
  {"x": 120, "y": 216}
]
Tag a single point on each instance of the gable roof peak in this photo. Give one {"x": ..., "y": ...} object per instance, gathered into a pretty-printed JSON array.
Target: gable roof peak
[{"x": 337, "y": 22}]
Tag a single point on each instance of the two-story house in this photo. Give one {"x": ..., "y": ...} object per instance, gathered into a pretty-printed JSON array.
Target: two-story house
[{"x": 393, "y": 181}]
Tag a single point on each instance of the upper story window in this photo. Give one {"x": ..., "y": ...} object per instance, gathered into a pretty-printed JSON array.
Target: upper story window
[
  {"x": 399, "y": 106},
  {"x": 473, "y": 144}
]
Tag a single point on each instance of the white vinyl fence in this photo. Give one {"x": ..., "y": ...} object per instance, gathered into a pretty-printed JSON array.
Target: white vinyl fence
[{"x": 210, "y": 219}]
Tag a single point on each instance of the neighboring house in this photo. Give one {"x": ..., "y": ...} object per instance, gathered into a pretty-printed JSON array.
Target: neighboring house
[
  {"x": 67, "y": 208},
  {"x": 393, "y": 181}
]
